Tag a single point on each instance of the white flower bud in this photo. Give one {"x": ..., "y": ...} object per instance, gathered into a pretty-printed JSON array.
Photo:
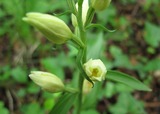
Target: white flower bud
[
  {"x": 47, "y": 81},
  {"x": 95, "y": 69},
  {"x": 100, "y": 5},
  {"x": 85, "y": 8},
  {"x": 87, "y": 87},
  {"x": 50, "y": 26}
]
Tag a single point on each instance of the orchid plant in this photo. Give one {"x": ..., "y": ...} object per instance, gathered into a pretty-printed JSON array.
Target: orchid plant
[{"x": 90, "y": 71}]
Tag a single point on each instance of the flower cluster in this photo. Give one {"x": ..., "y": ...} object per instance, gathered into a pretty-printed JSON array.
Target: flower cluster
[{"x": 56, "y": 31}]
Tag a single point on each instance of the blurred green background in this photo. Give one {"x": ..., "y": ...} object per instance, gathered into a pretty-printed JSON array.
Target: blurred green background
[{"x": 134, "y": 49}]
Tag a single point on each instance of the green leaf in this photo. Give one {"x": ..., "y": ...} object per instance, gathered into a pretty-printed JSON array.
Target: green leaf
[
  {"x": 90, "y": 111},
  {"x": 151, "y": 35},
  {"x": 153, "y": 65},
  {"x": 50, "y": 64},
  {"x": 107, "y": 16},
  {"x": 3, "y": 110},
  {"x": 32, "y": 88},
  {"x": 64, "y": 103},
  {"x": 19, "y": 74},
  {"x": 100, "y": 27},
  {"x": 32, "y": 108},
  {"x": 96, "y": 46},
  {"x": 121, "y": 59},
  {"x": 72, "y": 6},
  {"x": 127, "y": 80},
  {"x": 5, "y": 73},
  {"x": 129, "y": 106}
]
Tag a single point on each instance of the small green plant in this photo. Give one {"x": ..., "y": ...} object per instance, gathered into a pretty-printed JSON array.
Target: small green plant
[
  {"x": 3, "y": 110},
  {"x": 91, "y": 71}
]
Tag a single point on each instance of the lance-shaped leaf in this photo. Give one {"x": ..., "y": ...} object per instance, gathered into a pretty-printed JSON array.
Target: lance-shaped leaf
[
  {"x": 64, "y": 103},
  {"x": 127, "y": 80}
]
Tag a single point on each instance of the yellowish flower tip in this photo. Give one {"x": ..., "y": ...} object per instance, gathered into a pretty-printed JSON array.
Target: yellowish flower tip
[
  {"x": 53, "y": 28},
  {"x": 87, "y": 87},
  {"x": 100, "y": 5},
  {"x": 47, "y": 81},
  {"x": 95, "y": 69},
  {"x": 85, "y": 7},
  {"x": 24, "y": 19}
]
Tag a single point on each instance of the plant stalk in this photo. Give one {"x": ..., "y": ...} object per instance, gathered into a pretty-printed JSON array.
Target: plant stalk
[{"x": 83, "y": 58}]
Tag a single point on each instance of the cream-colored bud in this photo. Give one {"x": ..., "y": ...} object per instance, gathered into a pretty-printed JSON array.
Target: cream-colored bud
[
  {"x": 87, "y": 86},
  {"x": 95, "y": 69},
  {"x": 50, "y": 26},
  {"x": 47, "y": 81},
  {"x": 85, "y": 8},
  {"x": 100, "y": 5}
]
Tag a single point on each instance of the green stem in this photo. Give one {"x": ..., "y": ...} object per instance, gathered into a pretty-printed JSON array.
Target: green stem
[
  {"x": 78, "y": 41},
  {"x": 71, "y": 90},
  {"x": 79, "y": 57},
  {"x": 80, "y": 80},
  {"x": 90, "y": 15},
  {"x": 80, "y": 86},
  {"x": 72, "y": 6},
  {"x": 80, "y": 22},
  {"x": 81, "y": 28},
  {"x": 80, "y": 65}
]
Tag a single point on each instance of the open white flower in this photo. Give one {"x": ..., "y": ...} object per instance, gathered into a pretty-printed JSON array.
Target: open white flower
[
  {"x": 95, "y": 69},
  {"x": 47, "y": 81}
]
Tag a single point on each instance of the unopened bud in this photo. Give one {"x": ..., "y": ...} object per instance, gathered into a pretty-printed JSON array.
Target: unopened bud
[
  {"x": 85, "y": 8},
  {"x": 87, "y": 87},
  {"x": 95, "y": 69},
  {"x": 47, "y": 81},
  {"x": 50, "y": 26},
  {"x": 100, "y": 5}
]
